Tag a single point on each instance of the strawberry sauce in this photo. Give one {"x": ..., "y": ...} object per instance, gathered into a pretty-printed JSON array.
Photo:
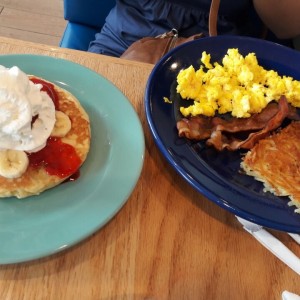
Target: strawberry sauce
[{"x": 58, "y": 158}]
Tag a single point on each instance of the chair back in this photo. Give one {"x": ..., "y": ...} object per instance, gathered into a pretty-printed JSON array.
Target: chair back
[
  {"x": 87, "y": 12},
  {"x": 85, "y": 18}
]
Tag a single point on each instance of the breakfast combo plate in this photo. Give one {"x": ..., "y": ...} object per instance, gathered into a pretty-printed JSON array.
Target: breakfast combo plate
[
  {"x": 33, "y": 227},
  {"x": 218, "y": 174}
]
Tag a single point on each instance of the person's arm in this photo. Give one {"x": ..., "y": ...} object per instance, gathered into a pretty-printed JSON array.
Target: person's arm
[{"x": 282, "y": 17}]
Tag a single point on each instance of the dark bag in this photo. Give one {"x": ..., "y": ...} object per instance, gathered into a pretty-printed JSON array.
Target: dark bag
[{"x": 151, "y": 49}]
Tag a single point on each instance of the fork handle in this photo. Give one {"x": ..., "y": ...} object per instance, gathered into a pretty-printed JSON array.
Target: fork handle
[
  {"x": 295, "y": 237},
  {"x": 278, "y": 249}
]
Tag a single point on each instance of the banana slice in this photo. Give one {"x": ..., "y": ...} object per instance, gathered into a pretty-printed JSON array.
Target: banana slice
[
  {"x": 62, "y": 125},
  {"x": 13, "y": 163}
]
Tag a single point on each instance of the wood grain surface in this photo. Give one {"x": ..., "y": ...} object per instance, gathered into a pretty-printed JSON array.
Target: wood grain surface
[
  {"x": 167, "y": 242},
  {"x": 32, "y": 20}
]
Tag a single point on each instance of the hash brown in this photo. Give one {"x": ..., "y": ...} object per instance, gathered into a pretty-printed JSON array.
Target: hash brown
[{"x": 275, "y": 161}]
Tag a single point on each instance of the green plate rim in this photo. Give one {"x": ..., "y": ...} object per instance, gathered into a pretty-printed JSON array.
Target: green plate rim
[{"x": 39, "y": 226}]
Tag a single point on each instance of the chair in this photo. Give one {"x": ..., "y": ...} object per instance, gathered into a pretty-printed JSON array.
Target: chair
[{"x": 85, "y": 18}]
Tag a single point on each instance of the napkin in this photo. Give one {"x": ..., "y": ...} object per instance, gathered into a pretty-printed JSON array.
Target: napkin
[{"x": 289, "y": 296}]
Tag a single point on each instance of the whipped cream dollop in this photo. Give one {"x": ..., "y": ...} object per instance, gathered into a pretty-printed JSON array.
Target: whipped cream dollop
[{"x": 27, "y": 114}]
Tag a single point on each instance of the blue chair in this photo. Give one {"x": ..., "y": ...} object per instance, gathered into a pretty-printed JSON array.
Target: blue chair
[{"x": 85, "y": 18}]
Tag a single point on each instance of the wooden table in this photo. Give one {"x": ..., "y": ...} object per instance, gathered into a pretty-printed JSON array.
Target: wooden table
[{"x": 167, "y": 242}]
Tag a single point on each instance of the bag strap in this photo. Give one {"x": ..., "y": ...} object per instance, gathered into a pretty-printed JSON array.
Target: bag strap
[{"x": 213, "y": 17}]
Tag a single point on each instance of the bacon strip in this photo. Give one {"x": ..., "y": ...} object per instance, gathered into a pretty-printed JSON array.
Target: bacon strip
[
  {"x": 255, "y": 122},
  {"x": 195, "y": 128},
  {"x": 221, "y": 133}
]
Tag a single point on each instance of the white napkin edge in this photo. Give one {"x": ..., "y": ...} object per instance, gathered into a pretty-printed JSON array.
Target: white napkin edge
[{"x": 286, "y": 295}]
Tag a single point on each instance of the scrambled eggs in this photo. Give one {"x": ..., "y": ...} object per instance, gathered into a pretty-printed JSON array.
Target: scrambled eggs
[{"x": 239, "y": 86}]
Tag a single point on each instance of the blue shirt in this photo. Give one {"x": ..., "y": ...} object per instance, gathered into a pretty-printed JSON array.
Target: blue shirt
[{"x": 131, "y": 20}]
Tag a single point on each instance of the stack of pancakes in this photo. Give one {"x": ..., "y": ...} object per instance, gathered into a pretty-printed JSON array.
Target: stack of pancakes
[{"x": 36, "y": 180}]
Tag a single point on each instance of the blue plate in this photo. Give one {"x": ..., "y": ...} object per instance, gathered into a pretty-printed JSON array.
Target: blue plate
[
  {"x": 60, "y": 217},
  {"x": 217, "y": 175}
]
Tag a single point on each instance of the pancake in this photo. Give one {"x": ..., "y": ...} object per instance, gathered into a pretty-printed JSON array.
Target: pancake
[
  {"x": 275, "y": 161},
  {"x": 36, "y": 178}
]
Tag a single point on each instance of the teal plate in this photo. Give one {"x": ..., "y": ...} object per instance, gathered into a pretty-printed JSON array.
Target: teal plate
[{"x": 42, "y": 225}]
